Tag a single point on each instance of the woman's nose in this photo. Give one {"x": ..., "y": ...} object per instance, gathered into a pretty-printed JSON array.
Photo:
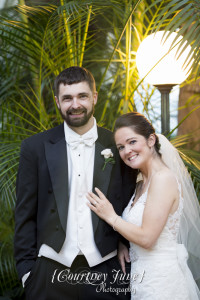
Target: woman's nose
[{"x": 127, "y": 149}]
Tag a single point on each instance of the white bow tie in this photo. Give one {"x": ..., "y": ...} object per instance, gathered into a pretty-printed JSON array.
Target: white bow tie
[{"x": 74, "y": 142}]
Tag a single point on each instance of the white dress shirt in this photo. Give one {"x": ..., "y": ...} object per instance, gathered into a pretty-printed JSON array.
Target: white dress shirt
[{"x": 79, "y": 232}]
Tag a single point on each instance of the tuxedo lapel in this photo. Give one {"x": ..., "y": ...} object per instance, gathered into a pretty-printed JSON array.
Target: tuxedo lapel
[
  {"x": 101, "y": 178},
  {"x": 56, "y": 155}
]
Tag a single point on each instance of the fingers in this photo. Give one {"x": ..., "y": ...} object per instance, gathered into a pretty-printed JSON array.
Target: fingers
[
  {"x": 100, "y": 194},
  {"x": 98, "y": 198},
  {"x": 123, "y": 256},
  {"x": 91, "y": 206},
  {"x": 92, "y": 197},
  {"x": 122, "y": 263},
  {"x": 93, "y": 200},
  {"x": 127, "y": 257},
  {"x": 125, "y": 252}
]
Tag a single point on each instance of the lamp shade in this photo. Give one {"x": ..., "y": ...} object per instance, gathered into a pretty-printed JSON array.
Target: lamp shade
[{"x": 160, "y": 62}]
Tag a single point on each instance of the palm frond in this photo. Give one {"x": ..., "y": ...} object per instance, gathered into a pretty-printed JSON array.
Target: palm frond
[{"x": 39, "y": 41}]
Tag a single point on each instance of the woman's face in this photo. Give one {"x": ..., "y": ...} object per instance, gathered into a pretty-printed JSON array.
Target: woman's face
[{"x": 134, "y": 149}]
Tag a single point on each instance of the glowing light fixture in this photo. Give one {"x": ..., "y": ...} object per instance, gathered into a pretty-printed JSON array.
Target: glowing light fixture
[{"x": 161, "y": 63}]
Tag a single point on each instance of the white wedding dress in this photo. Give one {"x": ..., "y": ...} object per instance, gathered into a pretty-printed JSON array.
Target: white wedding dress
[{"x": 159, "y": 273}]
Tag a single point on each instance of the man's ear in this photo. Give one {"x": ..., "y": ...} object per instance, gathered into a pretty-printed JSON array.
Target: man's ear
[
  {"x": 151, "y": 140},
  {"x": 57, "y": 102},
  {"x": 95, "y": 97}
]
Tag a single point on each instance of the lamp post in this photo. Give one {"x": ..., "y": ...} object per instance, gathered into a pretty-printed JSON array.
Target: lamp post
[
  {"x": 165, "y": 90},
  {"x": 162, "y": 64}
]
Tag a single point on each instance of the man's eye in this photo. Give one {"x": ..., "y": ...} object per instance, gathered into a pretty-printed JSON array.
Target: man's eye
[
  {"x": 83, "y": 96},
  {"x": 66, "y": 99}
]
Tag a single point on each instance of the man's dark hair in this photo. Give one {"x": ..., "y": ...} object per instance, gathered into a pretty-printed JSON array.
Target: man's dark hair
[{"x": 73, "y": 75}]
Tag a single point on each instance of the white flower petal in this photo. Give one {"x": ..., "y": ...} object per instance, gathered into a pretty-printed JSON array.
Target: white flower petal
[{"x": 107, "y": 153}]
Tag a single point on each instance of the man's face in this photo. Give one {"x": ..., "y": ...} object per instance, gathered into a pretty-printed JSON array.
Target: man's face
[{"x": 76, "y": 103}]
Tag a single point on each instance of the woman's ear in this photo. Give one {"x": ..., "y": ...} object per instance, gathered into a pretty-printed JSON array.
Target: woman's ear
[{"x": 151, "y": 140}]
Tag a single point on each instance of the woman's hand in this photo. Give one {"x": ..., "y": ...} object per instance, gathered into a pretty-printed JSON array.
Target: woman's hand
[
  {"x": 102, "y": 207},
  {"x": 123, "y": 256}
]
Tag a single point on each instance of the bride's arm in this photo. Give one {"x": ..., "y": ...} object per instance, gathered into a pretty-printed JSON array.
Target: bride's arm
[{"x": 162, "y": 199}]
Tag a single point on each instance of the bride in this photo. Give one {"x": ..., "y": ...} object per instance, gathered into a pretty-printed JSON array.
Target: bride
[{"x": 161, "y": 219}]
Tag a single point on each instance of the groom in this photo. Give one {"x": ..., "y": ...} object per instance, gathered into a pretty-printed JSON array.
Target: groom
[{"x": 62, "y": 249}]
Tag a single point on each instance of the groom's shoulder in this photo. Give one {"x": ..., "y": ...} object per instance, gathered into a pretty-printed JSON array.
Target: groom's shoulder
[
  {"x": 45, "y": 135},
  {"x": 105, "y": 131},
  {"x": 105, "y": 136}
]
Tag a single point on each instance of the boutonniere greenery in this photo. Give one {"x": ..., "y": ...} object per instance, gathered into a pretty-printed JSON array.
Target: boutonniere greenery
[{"x": 108, "y": 156}]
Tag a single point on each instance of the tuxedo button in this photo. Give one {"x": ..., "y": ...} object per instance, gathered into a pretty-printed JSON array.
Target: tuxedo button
[
  {"x": 57, "y": 228},
  {"x": 80, "y": 226},
  {"x": 50, "y": 191},
  {"x": 52, "y": 210}
]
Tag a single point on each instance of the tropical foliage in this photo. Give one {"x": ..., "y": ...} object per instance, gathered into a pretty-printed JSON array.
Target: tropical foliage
[{"x": 38, "y": 41}]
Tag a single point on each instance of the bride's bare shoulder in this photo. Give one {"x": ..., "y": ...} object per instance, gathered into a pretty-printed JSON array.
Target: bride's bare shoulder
[{"x": 164, "y": 178}]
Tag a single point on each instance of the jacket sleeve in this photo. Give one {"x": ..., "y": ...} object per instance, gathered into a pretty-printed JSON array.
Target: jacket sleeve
[{"x": 25, "y": 239}]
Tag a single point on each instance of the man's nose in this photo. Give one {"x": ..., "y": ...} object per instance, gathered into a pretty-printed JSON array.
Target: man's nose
[{"x": 75, "y": 103}]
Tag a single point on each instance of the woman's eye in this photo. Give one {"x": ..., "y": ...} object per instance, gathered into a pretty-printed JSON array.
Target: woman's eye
[
  {"x": 120, "y": 148},
  {"x": 132, "y": 142}
]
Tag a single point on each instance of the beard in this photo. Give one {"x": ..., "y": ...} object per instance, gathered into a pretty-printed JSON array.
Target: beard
[{"x": 79, "y": 121}]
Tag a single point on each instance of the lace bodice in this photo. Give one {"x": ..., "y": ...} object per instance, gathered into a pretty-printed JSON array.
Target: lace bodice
[
  {"x": 134, "y": 215},
  {"x": 156, "y": 272}
]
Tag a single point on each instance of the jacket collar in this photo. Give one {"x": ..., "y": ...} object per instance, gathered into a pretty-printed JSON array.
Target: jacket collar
[{"x": 56, "y": 156}]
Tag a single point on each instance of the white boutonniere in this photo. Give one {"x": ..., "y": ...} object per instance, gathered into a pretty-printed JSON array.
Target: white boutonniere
[{"x": 108, "y": 156}]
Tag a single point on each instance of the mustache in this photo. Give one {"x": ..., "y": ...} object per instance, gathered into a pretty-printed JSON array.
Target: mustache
[{"x": 77, "y": 111}]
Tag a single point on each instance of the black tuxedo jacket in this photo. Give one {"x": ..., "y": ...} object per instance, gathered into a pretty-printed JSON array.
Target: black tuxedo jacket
[{"x": 42, "y": 194}]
